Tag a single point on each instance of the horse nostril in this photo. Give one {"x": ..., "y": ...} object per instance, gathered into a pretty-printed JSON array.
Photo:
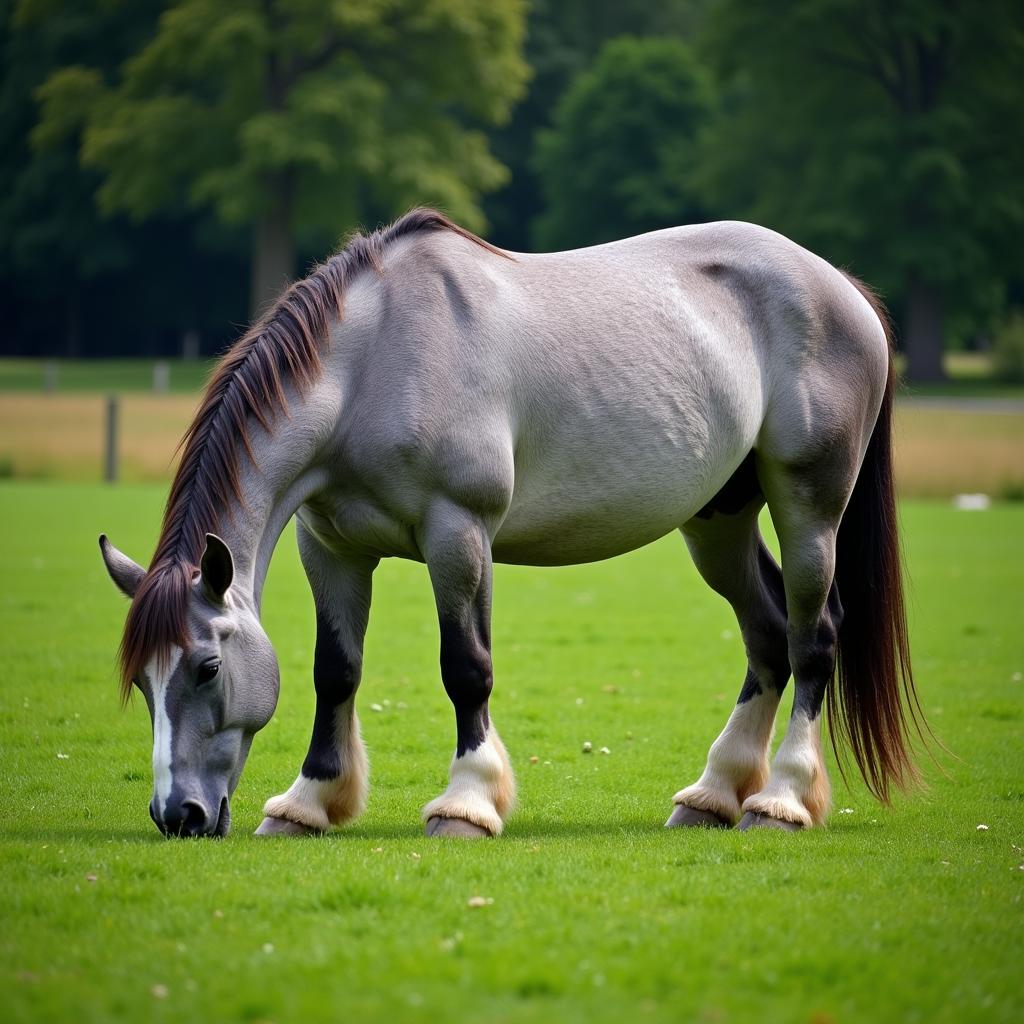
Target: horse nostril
[
  {"x": 189, "y": 818},
  {"x": 194, "y": 818}
]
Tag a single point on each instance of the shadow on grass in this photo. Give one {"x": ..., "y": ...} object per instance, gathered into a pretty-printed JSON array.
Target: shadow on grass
[{"x": 516, "y": 831}]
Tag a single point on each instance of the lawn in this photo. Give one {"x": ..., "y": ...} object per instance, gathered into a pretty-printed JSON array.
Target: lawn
[
  {"x": 911, "y": 913},
  {"x": 100, "y": 375}
]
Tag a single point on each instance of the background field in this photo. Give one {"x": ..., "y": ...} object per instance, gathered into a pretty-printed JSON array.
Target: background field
[
  {"x": 964, "y": 436},
  {"x": 598, "y": 914}
]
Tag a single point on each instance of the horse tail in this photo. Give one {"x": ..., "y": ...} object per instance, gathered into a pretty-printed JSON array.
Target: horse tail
[{"x": 873, "y": 706}]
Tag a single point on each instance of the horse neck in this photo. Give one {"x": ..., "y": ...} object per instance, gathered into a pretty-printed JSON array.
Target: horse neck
[{"x": 273, "y": 485}]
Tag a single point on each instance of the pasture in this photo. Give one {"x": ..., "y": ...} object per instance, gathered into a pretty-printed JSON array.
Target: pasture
[
  {"x": 590, "y": 910},
  {"x": 949, "y": 439}
]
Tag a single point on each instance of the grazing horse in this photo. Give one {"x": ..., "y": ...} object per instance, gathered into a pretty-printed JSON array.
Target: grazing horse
[{"x": 425, "y": 395}]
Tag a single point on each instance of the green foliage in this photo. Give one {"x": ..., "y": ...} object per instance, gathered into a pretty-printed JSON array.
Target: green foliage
[
  {"x": 145, "y": 140},
  {"x": 620, "y": 157},
  {"x": 245, "y": 107},
  {"x": 563, "y": 39},
  {"x": 71, "y": 279},
  {"x": 877, "y": 134},
  {"x": 47, "y": 218},
  {"x": 1008, "y": 349},
  {"x": 599, "y": 914}
]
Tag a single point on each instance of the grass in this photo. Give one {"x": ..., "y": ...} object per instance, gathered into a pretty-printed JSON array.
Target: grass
[
  {"x": 906, "y": 914},
  {"x": 101, "y": 375},
  {"x": 970, "y": 375}
]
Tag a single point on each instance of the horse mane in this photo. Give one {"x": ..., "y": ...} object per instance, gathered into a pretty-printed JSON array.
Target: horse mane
[{"x": 248, "y": 384}]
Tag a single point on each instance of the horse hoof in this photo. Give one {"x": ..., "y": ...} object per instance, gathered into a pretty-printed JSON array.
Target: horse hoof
[
  {"x": 754, "y": 819},
  {"x": 284, "y": 827},
  {"x": 690, "y": 817},
  {"x": 456, "y": 827}
]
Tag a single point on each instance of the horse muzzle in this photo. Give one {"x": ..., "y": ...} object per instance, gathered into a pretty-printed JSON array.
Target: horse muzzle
[{"x": 191, "y": 818}]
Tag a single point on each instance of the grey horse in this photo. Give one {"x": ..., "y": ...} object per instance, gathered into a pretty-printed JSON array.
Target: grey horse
[{"x": 425, "y": 395}]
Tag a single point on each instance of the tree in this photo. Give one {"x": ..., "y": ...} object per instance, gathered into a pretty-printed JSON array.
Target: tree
[
  {"x": 48, "y": 223},
  {"x": 563, "y": 38},
  {"x": 883, "y": 135},
  {"x": 72, "y": 281},
  {"x": 620, "y": 157},
  {"x": 299, "y": 116}
]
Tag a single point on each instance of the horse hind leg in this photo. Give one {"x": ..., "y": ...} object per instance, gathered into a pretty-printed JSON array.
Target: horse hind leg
[
  {"x": 332, "y": 784},
  {"x": 806, "y": 503},
  {"x": 730, "y": 554}
]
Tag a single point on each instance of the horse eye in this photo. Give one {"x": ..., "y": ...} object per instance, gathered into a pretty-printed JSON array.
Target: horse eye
[{"x": 207, "y": 671}]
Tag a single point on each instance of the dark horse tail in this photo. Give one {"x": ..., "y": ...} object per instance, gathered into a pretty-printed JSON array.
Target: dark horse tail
[{"x": 874, "y": 706}]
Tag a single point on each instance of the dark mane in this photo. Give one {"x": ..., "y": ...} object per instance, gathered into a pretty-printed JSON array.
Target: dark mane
[{"x": 284, "y": 346}]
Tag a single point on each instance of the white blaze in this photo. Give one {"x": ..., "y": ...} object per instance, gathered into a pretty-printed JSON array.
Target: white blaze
[{"x": 158, "y": 681}]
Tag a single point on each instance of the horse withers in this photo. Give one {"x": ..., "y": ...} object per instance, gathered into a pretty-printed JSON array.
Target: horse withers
[{"x": 425, "y": 395}]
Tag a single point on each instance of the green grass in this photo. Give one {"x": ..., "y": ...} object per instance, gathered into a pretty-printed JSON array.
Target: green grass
[
  {"x": 970, "y": 375},
  {"x": 91, "y": 375},
  {"x": 908, "y": 914}
]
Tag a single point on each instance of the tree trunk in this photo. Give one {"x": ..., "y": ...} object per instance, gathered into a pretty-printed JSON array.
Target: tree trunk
[
  {"x": 924, "y": 331},
  {"x": 273, "y": 252}
]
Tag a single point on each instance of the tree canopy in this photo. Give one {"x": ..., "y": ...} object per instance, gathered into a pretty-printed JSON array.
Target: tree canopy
[
  {"x": 884, "y": 136},
  {"x": 296, "y": 116},
  {"x": 621, "y": 154},
  {"x": 161, "y": 151}
]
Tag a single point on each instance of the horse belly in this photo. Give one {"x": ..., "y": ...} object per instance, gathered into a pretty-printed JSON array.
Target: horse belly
[{"x": 585, "y": 502}]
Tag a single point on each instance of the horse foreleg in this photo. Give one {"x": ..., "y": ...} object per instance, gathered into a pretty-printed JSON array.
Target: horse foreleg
[
  {"x": 332, "y": 784},
  {"x": 481, "y": 788},
  {"x": 731, "y": 556}
]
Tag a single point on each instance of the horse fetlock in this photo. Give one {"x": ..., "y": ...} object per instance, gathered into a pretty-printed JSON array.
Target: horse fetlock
[
  {"x": 319, "y": 803},
  {"x": 710, "y": 793},
  {"x": 481, "y": 787},
  {"x": 783, "y": 807},
  {"x": 732, "y": 774},
  {"x": 347, "y": 794},
  {"x": 465, "y": 807},
  {"x": 802, "y": 797}
]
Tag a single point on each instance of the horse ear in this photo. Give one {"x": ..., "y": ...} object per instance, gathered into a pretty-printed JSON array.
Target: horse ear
[
  {"x": 217, "y": 567},
  {"x": 125, "y": 573}
]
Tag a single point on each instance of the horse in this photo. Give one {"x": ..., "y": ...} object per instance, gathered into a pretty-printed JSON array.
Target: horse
[{"x": 426, "y": 395}]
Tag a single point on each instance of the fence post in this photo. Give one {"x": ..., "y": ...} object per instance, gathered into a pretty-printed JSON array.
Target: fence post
[
  {"x": 51, "y": 375},
  {"x": 190, "y": 344},
  {"x": 161, "y": 376},
  {"x": 110, "y": 463}
]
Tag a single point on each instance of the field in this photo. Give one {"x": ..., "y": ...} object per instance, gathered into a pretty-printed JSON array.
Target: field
[
  {"x": 912, "y": 913},
  {"x": 966, "y": 436}
]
